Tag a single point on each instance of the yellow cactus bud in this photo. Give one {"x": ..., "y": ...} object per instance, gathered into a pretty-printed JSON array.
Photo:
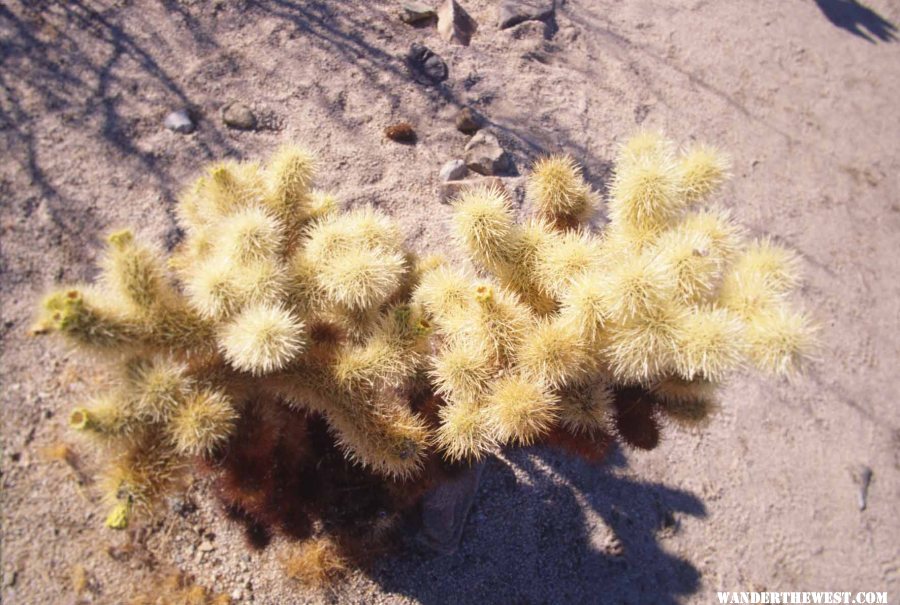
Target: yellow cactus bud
[
  {"x": 249, "y": 235},
  {"x": 748, "y": 293},
  {"x": 264, "y": 282},
  {"x": 288, "y": 178},
  {"x": 445, "y": 292},
  {"x": 779, "y": 266},
  {"x": 559, "y": 193},
  {"x": 211, "y": 289},
  {"x": 262, "y": 339},
  {"x": 530, "y": 243},
  {"x": 483, "y": 225},
  {"x": 643, "y": 348},
  {"x": 646, "y": 144},
  {"x": 520, "y": 409},
  {"x": 710, "y": 344},
  {"x": 689, "y": 256},
  {"x": 780, "y": 340},
  {"x": 584, "y": 307},
  {"x": 119, "y": 515},
  {"x": 380, "y": 361},
  {"x": 702, "y": 170},
  {"x": 159, "y": 386},
  {"x": 339, "y": 234},
  {"x": 463, "y": 433},
  {"x": 322, "y": 204},
  {"x": 109, "y": 416},
  {"x": 554, "y": 353},
  {"x": 646, "y": 190},
  {"x": 499, "y": 321},
  {"x": 362, "y": 279},
  {"x": 723, "y": 234},
  {"x": 461, "y": 371},
  {"x": 568, "y": 258},
  {"x": 135, "y": 273},
  {"x": 203, "y": 423},
  {"x": 229, "y": 186},
  {"x": 586, "y": 407},
  {"x": 636, "y": 285}
]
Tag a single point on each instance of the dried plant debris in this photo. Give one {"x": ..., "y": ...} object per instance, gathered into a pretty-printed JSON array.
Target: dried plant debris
[{"x": 402, "y": 132}]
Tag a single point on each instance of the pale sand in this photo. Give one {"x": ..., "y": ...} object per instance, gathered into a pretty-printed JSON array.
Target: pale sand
[{"x": 764, "y": 498}]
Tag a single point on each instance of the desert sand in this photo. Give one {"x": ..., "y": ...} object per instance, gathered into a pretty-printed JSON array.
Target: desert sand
[{"x": 802, "y": 94}]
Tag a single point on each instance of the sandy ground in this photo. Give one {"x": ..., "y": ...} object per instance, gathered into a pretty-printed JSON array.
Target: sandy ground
[{"x": 802, "y": 95}]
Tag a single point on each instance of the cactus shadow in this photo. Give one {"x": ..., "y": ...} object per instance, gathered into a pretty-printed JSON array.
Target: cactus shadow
[
  {"x": 858, "y": 19},
  {"x": 547, "y": 528}
]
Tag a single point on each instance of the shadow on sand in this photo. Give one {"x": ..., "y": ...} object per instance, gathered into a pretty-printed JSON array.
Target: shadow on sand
[
  {"x": 858, "y": 19},
  {"x": 534, "y": 540}
]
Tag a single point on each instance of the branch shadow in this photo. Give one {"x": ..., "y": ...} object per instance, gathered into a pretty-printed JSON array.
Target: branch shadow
[
  {"x": 533, "y": 541},
  {"x": 67, "y": 58},
  {"x": 858, "y": 19}
]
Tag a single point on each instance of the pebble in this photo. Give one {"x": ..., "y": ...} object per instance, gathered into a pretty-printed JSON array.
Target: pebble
[
  {"x": 864, "y": 479},
  {"x": 484, "y": 154},
  {"x": 453, "y": 170},
  {"x": 402, "y": 132},
  {"x": 180, "y": 121},
  {"x": 455, "y": 24},
  {"x": 239, "y": 116},
  {"x": 467, "y": 121},
  {"x": 513, "y": 12},
  {"x": 425, "y": 67},
  {"x": 416, "y": 12},
  {"x": 445, "y": 509},
  {"x": 237, "y": 595}
]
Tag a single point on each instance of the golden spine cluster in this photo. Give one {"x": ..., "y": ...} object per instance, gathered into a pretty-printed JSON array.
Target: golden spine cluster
[
  {"x": 276, "y": 295},
  {"x": 670, "y": 297}
]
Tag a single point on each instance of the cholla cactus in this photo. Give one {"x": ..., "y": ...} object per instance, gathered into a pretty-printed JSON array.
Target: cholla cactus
[
  {"x": 326, "y": 375},
  {"x": 274, "y": 296},
  {"x": 591, "y": 333}
]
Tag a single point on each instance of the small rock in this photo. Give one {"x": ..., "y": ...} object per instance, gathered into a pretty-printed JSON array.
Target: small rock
[
  {"x": 454, "y": 23},
  {"x": 402, "y": 132},
  {"x": 863, "y": 477},
  {"x": 467, "y": 121},
  {"x": 445, "y": 508},
  {"x": 452, "y": 189},
  {"x": 184, "y": 507},
  {"x": 206, "y": 546},
  {"x": 484, "y": 154},
  {"x": 513, "y": 12},
  {"x": 453, "y": 170},
  {"x": 416, "y": 12},
  {"x": 239, "y": 116},
  {"x": 425, "y": 67},
  {"x": 237, "y": 594},
  {"x": 180, "y": 121}
]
